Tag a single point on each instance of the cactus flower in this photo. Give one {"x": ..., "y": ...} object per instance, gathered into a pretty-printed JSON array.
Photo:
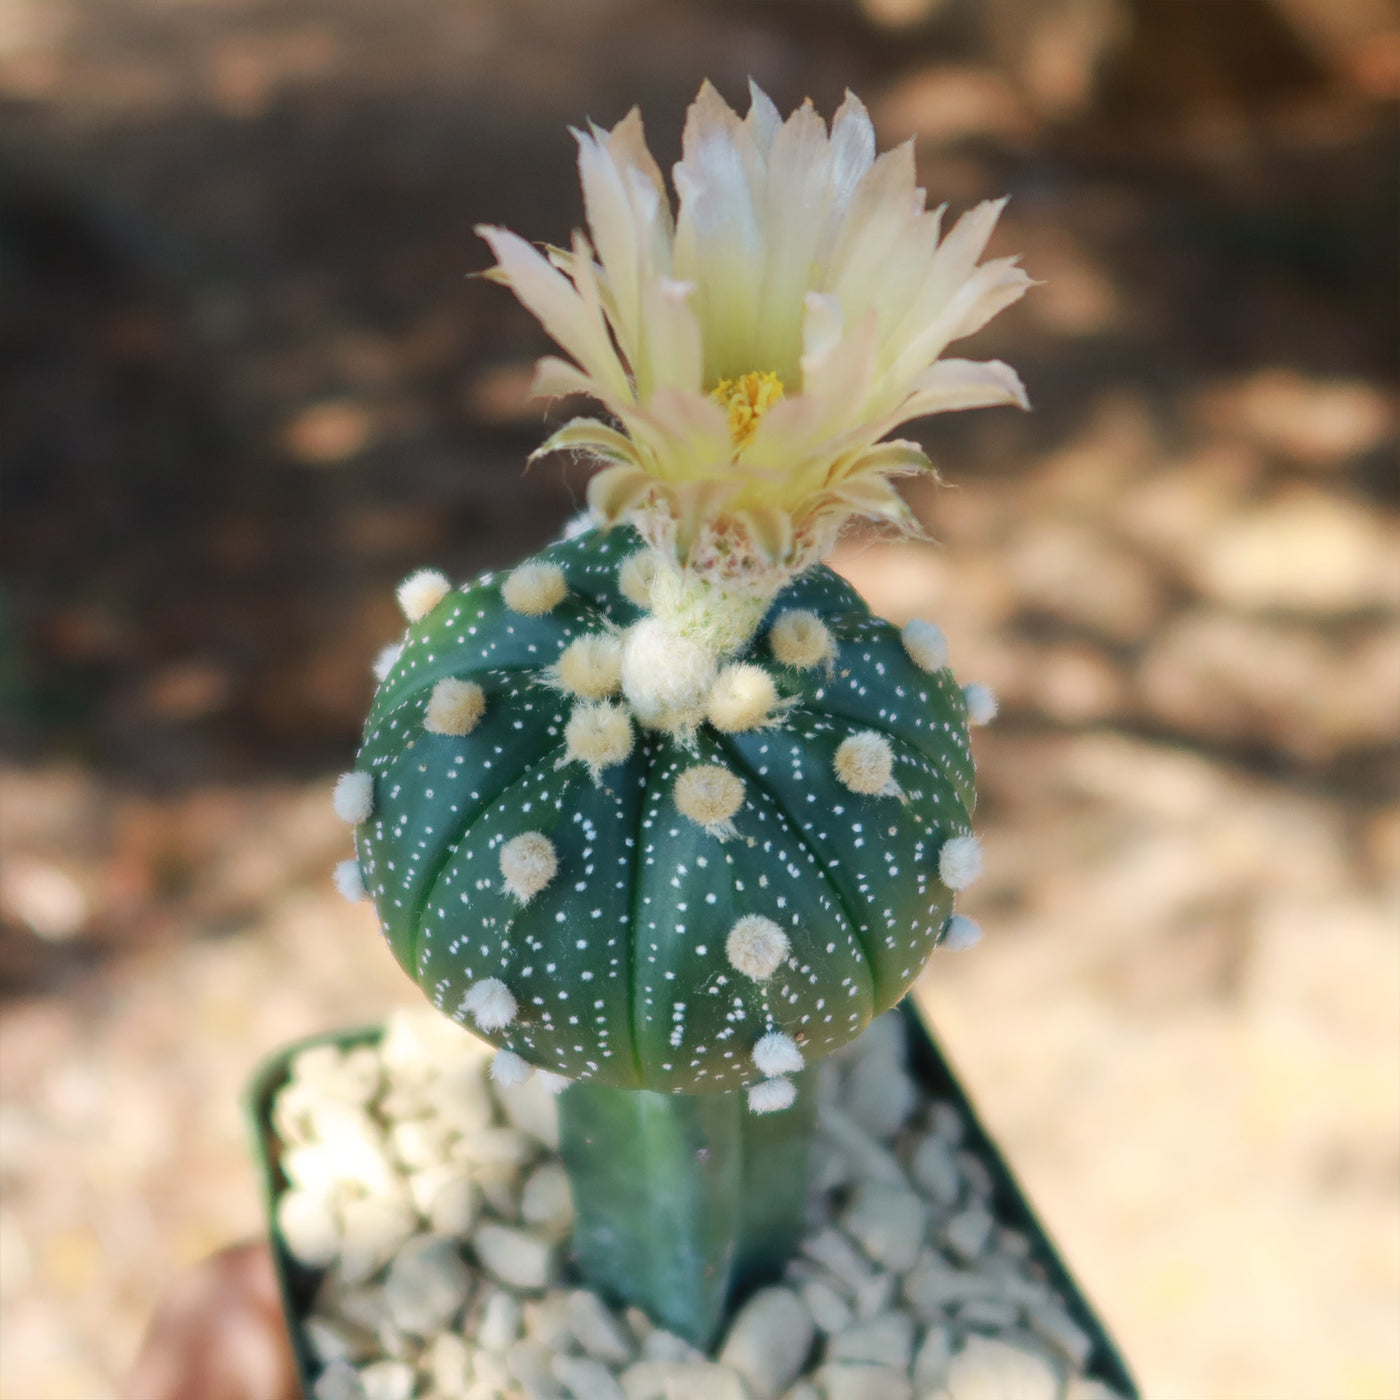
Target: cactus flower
[{"x": 758, "y": 346}]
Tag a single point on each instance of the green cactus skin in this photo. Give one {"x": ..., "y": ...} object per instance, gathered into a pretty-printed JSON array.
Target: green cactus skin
[
  {"x": 618, "y": 966},
  {"x": 684, "y": 1203}
]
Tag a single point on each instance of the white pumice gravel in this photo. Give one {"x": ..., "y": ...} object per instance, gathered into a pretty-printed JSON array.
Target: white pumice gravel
[{"x": 433, "y": 1203}]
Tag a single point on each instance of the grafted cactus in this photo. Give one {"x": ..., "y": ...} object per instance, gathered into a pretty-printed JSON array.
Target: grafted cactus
[{"x": 664, "y": 812}]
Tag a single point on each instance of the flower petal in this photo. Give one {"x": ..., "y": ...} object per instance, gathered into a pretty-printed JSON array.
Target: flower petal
[{"x": 558, "y": 307}]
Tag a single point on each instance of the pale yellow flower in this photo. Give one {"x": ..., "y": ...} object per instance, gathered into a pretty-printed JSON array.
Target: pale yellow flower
[{"x": 756, "y": 348}]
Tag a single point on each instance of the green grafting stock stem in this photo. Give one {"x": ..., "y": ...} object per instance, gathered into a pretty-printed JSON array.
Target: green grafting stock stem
[{"x": 682, "y": 1202}]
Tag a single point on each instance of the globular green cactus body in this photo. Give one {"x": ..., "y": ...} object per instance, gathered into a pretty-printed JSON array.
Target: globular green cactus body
[{"x": 619, "y": 960}]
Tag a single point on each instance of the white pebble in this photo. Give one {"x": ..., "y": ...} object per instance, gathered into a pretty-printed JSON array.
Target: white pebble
[
  {"x": 452, "y": 1210},
  {"x": 339, "y": 1381},
  {"x": 387, "y": 1380},
  {"x": 499, "y": 1324},
  {"x": 532, "y": 1108},
  {"x": 932, "y": 1360},
  {"x": 353, "y": 798},
  {"x": 515, "y": 1257},
  {"x": 375, "y": 1228},
  {"x": 969, "y": 1231},
  {"x": 888, "y": 1223},
  {"x": 596, "y": 1330},
  {"x": 887, "y": 1340},
  {"x": 842, "y": 1380},
  {"x": 994, "y": 1370},
  {"x": 546, "y": 1200},
  {"x": 829, "y": 1310},
  {"x": 768, "y": 1341},
  {"x": 880, "y": 1096},
  {"x": 309, "y": 1228},
  {"x": 449, "y": 1362},
  {"x": 935, "y": 1171},
  {"x": 586, "y": 1379}
]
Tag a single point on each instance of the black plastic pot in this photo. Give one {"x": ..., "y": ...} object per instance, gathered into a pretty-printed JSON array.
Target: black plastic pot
[{"x": 298, "y": 1284}]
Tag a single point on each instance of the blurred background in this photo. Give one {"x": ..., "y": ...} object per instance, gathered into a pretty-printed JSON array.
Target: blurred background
[{"x": 249, "y": 384}]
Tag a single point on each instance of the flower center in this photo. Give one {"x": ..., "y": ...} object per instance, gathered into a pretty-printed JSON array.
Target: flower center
[{"x": 746, "y": 399}]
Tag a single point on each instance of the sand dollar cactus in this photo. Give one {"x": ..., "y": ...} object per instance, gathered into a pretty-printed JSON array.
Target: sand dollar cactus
[
  {"x": 664, "y": 812},
  {"x": 531, "y": 828}
]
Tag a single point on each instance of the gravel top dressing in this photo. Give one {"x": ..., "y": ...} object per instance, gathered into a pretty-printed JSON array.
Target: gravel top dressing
[{"x": 430, "y": 1210}]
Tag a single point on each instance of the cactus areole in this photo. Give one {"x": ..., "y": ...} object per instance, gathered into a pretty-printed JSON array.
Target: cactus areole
[{"x": 664, "y": 812}]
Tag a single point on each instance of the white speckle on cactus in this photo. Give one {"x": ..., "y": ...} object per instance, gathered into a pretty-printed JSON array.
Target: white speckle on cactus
[
  {"x": 710, "y": 795},
  {"x": 591, "y": 667},
  {"x": 777, "y": 1053},
  {"x": 981, "y": 703},
  {"x": 756, "y": 946},
  {"x": 490, "y": 1004},
  {"x": 455, "y": 707},
  {"x": 508, "y": 1069},
  {"x": 528, "y": 864},
  {"x": 552, "y": 1083},
  {"x": 801, "y": 639},
  {"x": 742, "y": 698},
  {"x": 599, "y": 736},
  {"x": 960, "y": 862},
  {"x": 865, "y": 764},
  {"x": 420, "y": 593},
  {"x": 534, "y": 589},
  {"x": 961, "y": 933},
  {"x": 636, "y": 576},
  {"x": 349, "y": 881},
  {"x": 665, "y": 677},
  {"x": 387, "y": 659},
  {"x": 353, "y": 798},
  {"x": 772, "y": 1096},
  {"x": 926, "y": 644}
]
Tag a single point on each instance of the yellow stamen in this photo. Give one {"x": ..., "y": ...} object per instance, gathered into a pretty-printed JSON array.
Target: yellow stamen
[{"x": 746, "y": 400}]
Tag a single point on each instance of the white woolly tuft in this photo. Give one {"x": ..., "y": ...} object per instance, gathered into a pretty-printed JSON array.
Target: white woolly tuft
[
  {"x": 865, "y": 764},
  {"x": 552, "y": 1083},
  {"x": 353, "y": 798},
  {"x": 420, "y": 593},
  {"x": 756, "y": 946},
  {"x": 636, "y": 576},
  {"x": 490, "y": 1004},
  {"x": 387, "y": 659},
  {"x": 742, "y": 698},
  {"x": 528, "y": 864},
  {"x": 599, "y": 736},
  {"x": 801, "y": 639},
  {"x": 709, "y": 795},
  {"x": 455, "y": 707},
  {"x": 981, "y": 703},
  {"x": 508, "y": 1069},
  {"x": 349, "y": 881},
  {"x": 579, "y": 524},
  {"x": 926, "y": 644},
  {"x": 960, "y": 862},
  {"x": 772, "y": 1096},
  {"x": 665, "y": 677},
  {"x": 590, "y": 667},
  {"x": 777, "y": 1054},
  {"x": 961, "y": 933},
  {"x": 534, "y": 589}
]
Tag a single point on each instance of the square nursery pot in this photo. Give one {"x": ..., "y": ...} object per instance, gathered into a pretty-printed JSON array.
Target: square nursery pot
[{"x": 1094, "y": 1368}]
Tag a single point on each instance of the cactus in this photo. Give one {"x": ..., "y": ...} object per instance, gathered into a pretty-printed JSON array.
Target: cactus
[{"x": 664, "y": 812}]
